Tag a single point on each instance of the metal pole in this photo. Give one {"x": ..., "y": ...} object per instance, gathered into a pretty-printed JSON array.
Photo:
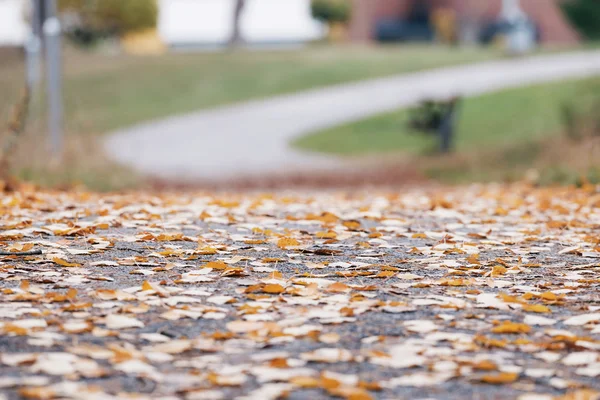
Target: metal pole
[
  {"x": 52, "y": 37},
  {"x": 33, "y": 48}
]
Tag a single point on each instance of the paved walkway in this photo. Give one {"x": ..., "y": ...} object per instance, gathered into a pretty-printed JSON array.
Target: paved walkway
[{"x": 252, "y": 138}]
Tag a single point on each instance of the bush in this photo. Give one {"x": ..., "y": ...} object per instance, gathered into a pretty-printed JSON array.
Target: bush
[
  {"x": 331, "y": 10},
  {"x": 585, "y": 16},
  {"x": 115, "y": 17}
]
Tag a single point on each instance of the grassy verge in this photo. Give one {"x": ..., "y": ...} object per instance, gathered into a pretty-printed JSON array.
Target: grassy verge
[
  {"x": 504, "y": 118},
  {"x": 500, "y": 135},
  {"x": 106, "y": 92}
]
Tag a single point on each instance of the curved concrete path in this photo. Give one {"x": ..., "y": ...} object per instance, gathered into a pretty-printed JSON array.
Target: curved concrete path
[{"x": 251, "y": 139}]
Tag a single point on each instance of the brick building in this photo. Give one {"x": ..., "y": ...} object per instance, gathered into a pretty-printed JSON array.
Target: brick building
[{"x": 552, "y": 25}]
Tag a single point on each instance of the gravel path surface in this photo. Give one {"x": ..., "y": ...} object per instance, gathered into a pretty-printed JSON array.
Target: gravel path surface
[
  {"x": 477, "y": 292},
  {"x": 252, "y": 139}
]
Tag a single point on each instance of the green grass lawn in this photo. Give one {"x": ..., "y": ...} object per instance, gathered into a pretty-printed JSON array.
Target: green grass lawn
[
  {"x": 492, "y": 120},
  {"x": 105, "y": 92}
]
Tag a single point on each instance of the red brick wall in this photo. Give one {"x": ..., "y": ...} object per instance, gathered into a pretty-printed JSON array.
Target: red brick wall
[
  {"x": 366, "y": 13},
  {"x": 552, "y": 22},
  {"x": 546, "y": 13}
]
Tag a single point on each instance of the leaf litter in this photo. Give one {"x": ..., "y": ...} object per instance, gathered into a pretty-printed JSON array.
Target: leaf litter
[{"x": 488, "y": 291}]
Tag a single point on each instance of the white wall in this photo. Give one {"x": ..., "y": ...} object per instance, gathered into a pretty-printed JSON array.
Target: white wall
[
  {"x": 13, "y": 28},
  {"x": 210, "y": 21}
]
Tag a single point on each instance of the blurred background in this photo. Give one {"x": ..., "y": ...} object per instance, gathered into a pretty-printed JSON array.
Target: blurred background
[{"x": 122, "y": 94}]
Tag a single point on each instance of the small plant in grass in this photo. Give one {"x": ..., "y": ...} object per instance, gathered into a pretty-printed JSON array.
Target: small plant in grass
[
  {"x": 10, "y": 139},
  {"x": 335, "y": 13},
  {"x": 585, "y": 16},
  {"x": 88, "y": 21},
  {"x": 581, "y": 118},
  {"x": 331, "y": 10}
]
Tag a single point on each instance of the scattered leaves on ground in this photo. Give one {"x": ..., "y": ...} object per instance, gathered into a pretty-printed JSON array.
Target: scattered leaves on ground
[{"x": 482, "y": 291}]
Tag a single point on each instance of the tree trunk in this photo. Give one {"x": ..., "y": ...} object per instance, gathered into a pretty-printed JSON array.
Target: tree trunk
[{"x": 236, "y": 37}]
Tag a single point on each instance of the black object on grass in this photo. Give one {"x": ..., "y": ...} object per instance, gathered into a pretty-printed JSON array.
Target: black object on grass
[{"x": 438, "y": 118}]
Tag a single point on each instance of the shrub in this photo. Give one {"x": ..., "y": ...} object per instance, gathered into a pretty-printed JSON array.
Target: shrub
[
  {"x": 585, "y": 16},
  {"x": 110, "y": 16},
  {"x": 331, "y": 10}
]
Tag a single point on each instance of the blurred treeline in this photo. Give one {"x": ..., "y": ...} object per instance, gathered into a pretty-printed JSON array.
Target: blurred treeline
[{"x": 87, "y": 21}]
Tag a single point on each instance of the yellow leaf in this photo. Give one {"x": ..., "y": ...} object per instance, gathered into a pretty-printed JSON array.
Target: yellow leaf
[
  {"x": 489, "y": 342},
  {"x": 537, "y": 308},
  {"x": 217, "y": 265},
  {"x": 453, "y": 282},
  {"x": 385, "y": 274},
  {"x": 271, "y": 260},
  {"x": 352, "y": 225},
  {"x": 473, "y": 259},
  {"x": 501, "y": 212},
  {"x": 168, "y": 237},
  {"x": 511, "y": 327},
  {"x": 549, "y": 296},
  {"x": 64, "y": 263},
  {"x": 254, "y": 241},
  {"x": 326, "y": 235},
  {"x": 509, "y": 299},
  {"x": 275, "y": 275},
  {"x": 306, "y": 382},
  {"x": 18, "y": 247},
  {"x": 146, "y": 286},
  {"x": 206, "y": 251},
  {"x": 498, "y": 270},
  {"x": 14, "y": 329},
  {"x": 285, "y": 242}
]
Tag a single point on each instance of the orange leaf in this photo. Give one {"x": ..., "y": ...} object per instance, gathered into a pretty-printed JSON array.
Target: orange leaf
[
  {"x": 501, "y": 378},
  {"x": 385, "y": 274},
  {"x": 71, "y": 293},
  {"x": 485, "y": 365},
  {"x": 338, "y": 287},
  {"x": 273, "y": 289},
  {"x": 38, "y": 393}
]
